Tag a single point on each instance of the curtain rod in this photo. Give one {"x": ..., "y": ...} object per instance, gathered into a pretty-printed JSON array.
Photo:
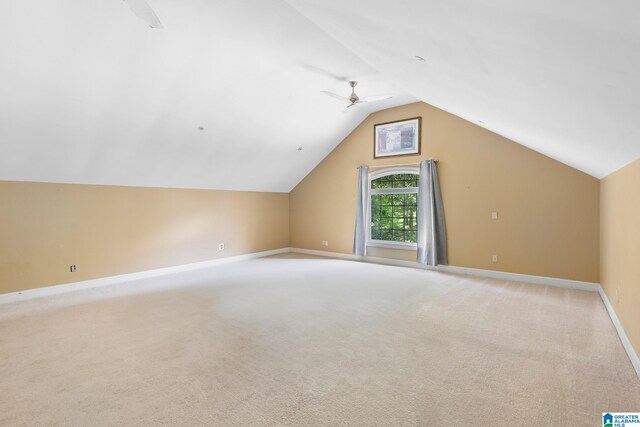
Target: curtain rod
[{"x": 397, "y": 164}]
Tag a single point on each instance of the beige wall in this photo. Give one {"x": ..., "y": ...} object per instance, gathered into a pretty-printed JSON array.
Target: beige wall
[
  {"x": 107, "y": 230},
  {"x": 548, "y": 212},
  {"x": 548, "y": 225},
  {"x": 620, "y": 250}
]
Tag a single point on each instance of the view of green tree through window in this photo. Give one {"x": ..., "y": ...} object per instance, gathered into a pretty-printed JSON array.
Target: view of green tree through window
[{"x": 394, "y": 208}]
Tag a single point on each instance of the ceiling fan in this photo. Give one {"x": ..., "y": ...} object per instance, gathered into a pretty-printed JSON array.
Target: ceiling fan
[
  {"x": 143, "y": 11},
  {"x": 354, "y": 99}
]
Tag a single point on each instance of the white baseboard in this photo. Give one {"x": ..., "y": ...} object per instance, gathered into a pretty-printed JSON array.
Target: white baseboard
[
  {"x": 517, "y": 277},
  {"x": 621, "y": 333},
  {"x": 501, "y": 275},
  {"x": 111, "y": 280},
  {"x": 327, "y": 254}
]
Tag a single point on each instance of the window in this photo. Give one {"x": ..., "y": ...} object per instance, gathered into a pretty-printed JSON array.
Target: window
[{"x": 393, "y": 205}]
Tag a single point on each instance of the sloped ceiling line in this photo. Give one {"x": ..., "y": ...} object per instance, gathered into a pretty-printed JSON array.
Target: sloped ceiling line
[{"x": 553, "y": 76}]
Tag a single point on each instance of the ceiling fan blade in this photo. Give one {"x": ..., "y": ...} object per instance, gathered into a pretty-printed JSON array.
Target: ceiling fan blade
[
  {"x": 143, "y": 11},
  {"x": 347, "y": 108},
  {"x": 376, "y": 98},
  {"x": 333, "y": 95}
]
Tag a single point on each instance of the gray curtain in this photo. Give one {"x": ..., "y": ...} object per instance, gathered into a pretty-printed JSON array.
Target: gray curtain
[
  {"x": 432, "y": 240},
  {"x": 360, "y": 235}
]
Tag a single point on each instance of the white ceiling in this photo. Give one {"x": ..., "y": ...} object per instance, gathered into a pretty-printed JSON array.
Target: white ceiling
[
  {"x": 560, "y": 77},
  {"x": 89, "y": 94}
]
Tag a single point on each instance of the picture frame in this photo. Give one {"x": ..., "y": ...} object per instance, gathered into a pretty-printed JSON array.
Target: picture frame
[{"x": 397, "y": 138}]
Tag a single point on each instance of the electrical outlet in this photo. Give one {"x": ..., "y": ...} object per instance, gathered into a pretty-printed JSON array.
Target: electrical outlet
[
  {"x": 325, "y": 243},
  {"x": 494, "y": 258},
  {"x": 72, "y": 268},
  {"x": 221, "y": 246},
  {"x": 494, "y": 215}
]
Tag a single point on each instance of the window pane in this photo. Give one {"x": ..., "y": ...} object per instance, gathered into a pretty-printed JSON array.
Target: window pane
[
  {"x": 398, "y": 183},
  {"x": 375, "y": 233},
  {"x": 409, "y": 223},
  {"x": 382, "y": 182},
  {"x": 393, "y": 216},
  {"x": 386, "y": 199},
  {"x": 395, "y": 181},
  {"x": 386, "y": 223}
]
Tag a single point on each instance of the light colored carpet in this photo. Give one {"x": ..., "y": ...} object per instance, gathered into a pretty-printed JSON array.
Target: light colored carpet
[{"x": 296, "y": 340}]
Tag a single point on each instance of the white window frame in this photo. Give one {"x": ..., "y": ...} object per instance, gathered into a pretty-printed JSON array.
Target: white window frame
[{"x": 378, "y": 174}]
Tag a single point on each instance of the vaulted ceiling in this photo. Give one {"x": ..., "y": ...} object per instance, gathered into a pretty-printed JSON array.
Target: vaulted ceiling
[
  {"x": 90, "y": 94},
  {"x": 560, "y": 77}
]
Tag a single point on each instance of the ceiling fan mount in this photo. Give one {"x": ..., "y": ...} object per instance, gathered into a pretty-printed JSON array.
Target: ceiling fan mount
[{"x": 353, "y": 97}]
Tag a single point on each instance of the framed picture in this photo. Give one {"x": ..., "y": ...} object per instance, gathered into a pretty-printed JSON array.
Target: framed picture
[{"x": 399, "y": 138}]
